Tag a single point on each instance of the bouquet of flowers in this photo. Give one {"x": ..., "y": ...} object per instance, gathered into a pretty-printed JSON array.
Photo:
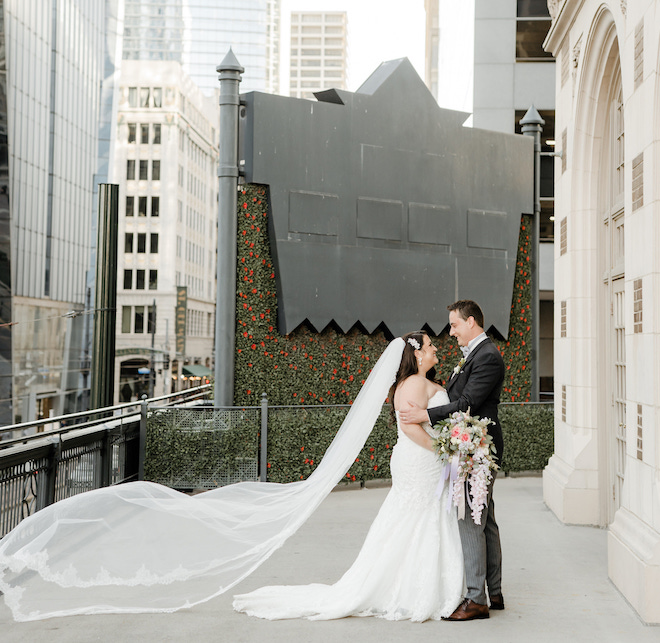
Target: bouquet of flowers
[{"x": 466, "y": 450}]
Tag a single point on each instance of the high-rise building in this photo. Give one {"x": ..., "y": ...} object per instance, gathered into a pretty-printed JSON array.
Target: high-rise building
[
  {"x": 166, "y": 163},
  {"x": 319, "y": 52},
  {"x": 198, "y": 34},
  {"x": 511, "y": 72},
  {"x": 51, "y": 72},
  {"x": 509, "y": 77}
]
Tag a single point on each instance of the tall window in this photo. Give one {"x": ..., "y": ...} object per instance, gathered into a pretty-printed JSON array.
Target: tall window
[
  {"x": 139, "y": 281},
  {"x": 155, "y": 206},
  {"x": 532, "y": 27},
  {"x": 153, "y": 280},
  {"x": 144, "y": 133},
  {"x": 156, "y": 138},
  {"x": 126, "y": 319},
  {"x": 144, "y": 170},
  {"x": 141, "y": 242},
  {"x": 139, "y": 319},
  {"x": 153, "y": 245},
  {"x": 158, "y": 96},
  {"x": 142, "y": 206},
  {"x": 128, "y": 280},
  {"x": 144, "y": 97},
  {"x": 132, "y": 96},
  {"x": 132, "y": 127},
  {"x": 130, "y": 206},
  {"x": 155, "y": 170},
  {"x": 130, "y": 170},
  {"x": 128, "y": 243},
  {"x": 151, "y": 319}
]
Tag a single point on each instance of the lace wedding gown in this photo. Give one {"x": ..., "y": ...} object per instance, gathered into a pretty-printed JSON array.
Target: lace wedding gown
[{"x": 410, "y": 566}]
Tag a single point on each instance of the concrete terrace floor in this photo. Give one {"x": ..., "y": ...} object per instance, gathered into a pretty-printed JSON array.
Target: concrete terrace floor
[{"x": 555, "y": 587}]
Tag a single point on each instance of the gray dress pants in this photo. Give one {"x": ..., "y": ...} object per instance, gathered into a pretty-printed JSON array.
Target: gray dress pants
[{"x": 482, "y": 552}]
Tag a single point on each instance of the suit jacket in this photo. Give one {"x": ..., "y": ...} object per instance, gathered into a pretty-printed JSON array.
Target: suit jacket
[{"x": 477, "y": 386}]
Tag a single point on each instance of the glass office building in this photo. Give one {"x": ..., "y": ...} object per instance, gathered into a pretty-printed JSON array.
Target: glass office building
[
  {"x": 198, "y": 34},
  {"x": 51, "y": 71}
]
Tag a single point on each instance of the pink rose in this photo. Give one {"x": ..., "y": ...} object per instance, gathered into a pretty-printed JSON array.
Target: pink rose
[
  {"x": 465, "y": 437},
  {"x": 455, "y": 432}
]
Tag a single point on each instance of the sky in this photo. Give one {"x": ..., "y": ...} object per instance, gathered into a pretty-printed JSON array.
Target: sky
[{"x": 381, "y": 30}]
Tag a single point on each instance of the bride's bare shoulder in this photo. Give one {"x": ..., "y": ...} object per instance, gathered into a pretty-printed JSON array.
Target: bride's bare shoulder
[
  {"x": 412, "y": 389},
  {"x": 412, "y": 383}
]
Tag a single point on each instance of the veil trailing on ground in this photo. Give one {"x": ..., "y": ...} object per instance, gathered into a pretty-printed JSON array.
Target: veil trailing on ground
[{"x": 142, "y": 547}]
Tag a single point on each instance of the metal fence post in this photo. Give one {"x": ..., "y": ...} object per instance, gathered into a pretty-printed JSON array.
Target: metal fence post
[
  {"x": 263, "y": 459},
  {"x": 51, "y": 476},
  {"x": 106, "y": 460},
  {"x": 143, "y": 437}
]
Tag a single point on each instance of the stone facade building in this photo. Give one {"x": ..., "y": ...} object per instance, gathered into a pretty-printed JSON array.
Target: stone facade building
[{"x": 606, "y": 466}]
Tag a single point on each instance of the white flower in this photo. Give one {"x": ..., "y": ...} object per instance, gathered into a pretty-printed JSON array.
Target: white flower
[
  {"x": 414, "y": 343},
  {"x": 475, "y": 451},
  {"x": 459, "y": 366}
]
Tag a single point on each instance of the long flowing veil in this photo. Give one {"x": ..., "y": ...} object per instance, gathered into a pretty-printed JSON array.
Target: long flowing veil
[{"x": 142, "y": 547}]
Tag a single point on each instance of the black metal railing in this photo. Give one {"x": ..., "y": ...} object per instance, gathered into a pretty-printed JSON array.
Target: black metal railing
[
  {"x": 184, "y": 444},
  {"x": 83, "y": 451}
]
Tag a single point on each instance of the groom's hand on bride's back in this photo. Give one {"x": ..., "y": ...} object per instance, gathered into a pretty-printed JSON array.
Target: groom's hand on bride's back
[{"x": 413, "y": 413}]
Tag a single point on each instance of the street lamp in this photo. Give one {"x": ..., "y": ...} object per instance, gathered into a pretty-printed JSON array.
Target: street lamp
[{"x": 532, "y": 125}]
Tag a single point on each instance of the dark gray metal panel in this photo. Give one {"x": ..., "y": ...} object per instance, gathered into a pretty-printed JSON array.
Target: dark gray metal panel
[
  {"x": 379, "y": 219},
  {"x": 487, "y": 229},
  {"x": 429, "y": 223},
  {"x": 384, "y": 208},
  {"x": 313, "y": 213}
]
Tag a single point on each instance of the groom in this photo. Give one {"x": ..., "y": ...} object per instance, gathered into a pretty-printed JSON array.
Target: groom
[{"x": 475, "y": 384}]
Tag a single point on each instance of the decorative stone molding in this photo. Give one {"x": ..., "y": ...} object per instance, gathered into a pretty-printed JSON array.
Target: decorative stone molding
[
  {"x": 554, "y": 6},
  {"x": 576, "y": 56},
  {"x": 576, "y": 52},
  {"x": 624, "y": 7}
]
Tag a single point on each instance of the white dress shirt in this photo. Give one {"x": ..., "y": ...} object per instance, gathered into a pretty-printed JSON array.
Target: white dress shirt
[{"x": 472, "y": 343}]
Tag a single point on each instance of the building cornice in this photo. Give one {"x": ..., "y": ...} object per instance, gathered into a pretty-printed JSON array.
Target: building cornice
[{"x": 562, "y": 13}]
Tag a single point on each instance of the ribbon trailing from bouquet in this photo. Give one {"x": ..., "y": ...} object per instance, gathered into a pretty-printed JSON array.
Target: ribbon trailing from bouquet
[{"x": 455, "y": 493}]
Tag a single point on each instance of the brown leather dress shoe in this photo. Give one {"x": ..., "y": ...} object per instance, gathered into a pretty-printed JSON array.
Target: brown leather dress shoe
[
  {"x": 497, "y": 602},
  {"x": 468, "y": 610}
]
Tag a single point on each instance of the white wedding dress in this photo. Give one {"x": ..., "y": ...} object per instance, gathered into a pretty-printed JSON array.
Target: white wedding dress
[
  {"x": 141, "y": 547},
  {"x": 411, "y": 563}
]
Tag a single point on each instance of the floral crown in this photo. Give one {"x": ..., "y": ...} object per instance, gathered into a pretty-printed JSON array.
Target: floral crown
[{"x": 414, "y": 343}]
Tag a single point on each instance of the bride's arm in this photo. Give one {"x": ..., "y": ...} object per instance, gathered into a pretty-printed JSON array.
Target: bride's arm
[{"x": 416, "y": 391}]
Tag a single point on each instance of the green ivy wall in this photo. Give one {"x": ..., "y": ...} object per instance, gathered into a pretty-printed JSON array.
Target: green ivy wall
[
  {"x": 307, "y": 367},
  {"x": 327, "y": 368}
]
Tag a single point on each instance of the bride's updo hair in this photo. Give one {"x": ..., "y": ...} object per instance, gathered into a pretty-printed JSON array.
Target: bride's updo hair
[{"x": 408, "y": 364}]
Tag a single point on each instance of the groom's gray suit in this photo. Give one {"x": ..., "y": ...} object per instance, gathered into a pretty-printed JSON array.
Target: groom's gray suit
[{"x": 477, "y": 386}]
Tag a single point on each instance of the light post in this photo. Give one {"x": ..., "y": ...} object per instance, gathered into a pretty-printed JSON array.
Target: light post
[
  {"x": 225, "y": 308},
  {"x": 532, "y": 125}
]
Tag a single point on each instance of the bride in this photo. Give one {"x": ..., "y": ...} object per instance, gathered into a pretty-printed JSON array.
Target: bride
[
  {"x": 142, "y": 547},
  {"x": 410, "y": 566}
]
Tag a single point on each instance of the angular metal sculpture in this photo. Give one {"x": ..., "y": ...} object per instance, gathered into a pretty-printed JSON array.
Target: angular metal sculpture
[{"x": 384, "y": 207}]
